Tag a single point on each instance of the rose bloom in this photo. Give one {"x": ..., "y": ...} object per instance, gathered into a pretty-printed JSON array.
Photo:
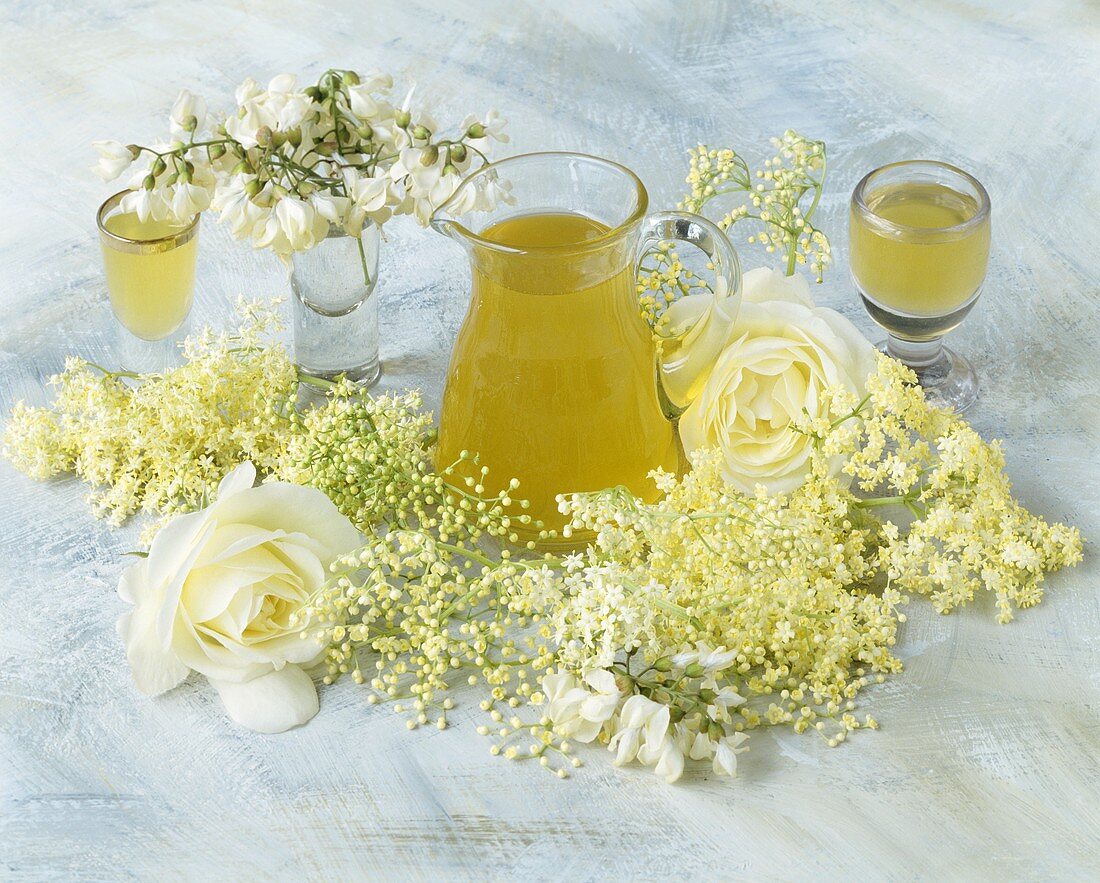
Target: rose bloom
[
  {"x": 220, "y": 591},
  {"x": 772, "y": 364}
]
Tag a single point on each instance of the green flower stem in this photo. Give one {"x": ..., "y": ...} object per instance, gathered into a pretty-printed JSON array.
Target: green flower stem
[
  {"x": 114, "y": 375},
  {"x": 909, "y": 501},
  {"x": 363, "y": 260}
]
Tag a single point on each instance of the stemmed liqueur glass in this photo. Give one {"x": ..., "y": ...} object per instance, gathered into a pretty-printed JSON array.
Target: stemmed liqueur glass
[{"x": 919, "y": 249}]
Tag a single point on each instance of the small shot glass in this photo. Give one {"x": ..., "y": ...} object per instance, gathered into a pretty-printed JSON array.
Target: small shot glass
[{"x": 150, "y": 269}]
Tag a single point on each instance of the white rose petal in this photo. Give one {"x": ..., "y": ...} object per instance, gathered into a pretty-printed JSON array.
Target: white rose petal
[
  {"x": 155, "y": 667},
  {"x": 272, "y": 703},
  {"x": 695, "y": 330},
  {"x": 764, "y": 285}
]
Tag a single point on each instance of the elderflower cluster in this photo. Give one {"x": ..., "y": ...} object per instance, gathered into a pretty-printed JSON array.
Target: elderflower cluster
[
  {"x": 774, "y": 196},
  {"x": 162, "y": 443},
  {"x": 362, "y": 451},
  {"x": 965, "y": 532},
  {"x": 436, "y": 608},
  {"x": 724, "y": 597},
  {"x": 662, "y": 279},
  {"x": 291, "y": 161},
  {"x": 682, "y": 625}
]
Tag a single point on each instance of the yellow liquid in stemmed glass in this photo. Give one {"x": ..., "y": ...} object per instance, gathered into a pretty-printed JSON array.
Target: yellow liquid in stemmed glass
[{"x": 920, "y": 272}]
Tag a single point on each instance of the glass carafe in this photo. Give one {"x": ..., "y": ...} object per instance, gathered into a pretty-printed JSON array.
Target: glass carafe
[{"x": 553, "y": 379}]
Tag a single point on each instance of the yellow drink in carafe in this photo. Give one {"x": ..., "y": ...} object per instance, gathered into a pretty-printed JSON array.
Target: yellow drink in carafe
[
  {"x": 927, "y": 270},
  {"x": 150, "y": 291},
  {"x": 553, "y": 376}
]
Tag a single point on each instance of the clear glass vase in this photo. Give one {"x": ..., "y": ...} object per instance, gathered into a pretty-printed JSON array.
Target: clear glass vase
[{"x": 335, "y": 309}]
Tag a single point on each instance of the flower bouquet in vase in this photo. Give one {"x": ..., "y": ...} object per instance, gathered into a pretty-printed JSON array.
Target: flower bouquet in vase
[{"x": 311, "y": 173}]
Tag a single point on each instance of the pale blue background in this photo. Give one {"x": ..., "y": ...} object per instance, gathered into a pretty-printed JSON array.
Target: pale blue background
[{"x": 986, "y": 764}]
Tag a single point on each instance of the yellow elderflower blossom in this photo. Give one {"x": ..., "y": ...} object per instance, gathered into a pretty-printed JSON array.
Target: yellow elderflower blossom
[
  {"x": 683, "y": 624},
  {"x": 774, "y": 198},
  {"x": 663, "y": 279},
  {"x": 797, "y": 170},
  {"x": 967, "y": 533},
  {"x": 163, "y": 444},
  {"x": 783, "y": 582}
]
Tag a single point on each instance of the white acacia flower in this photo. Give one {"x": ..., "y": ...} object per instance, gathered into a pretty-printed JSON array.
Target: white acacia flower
[
  {"x": 441, "y": 191},
  {"x": 667, "y": 760},
  {"x": 369, "y": 198},
  {"x": 147, "y": 204},
  {"x": 781, "y": 355},
  {"x": 186, "y": 107},
  {"x": 302, "y": 226},
  {"x": 419, "y": 178},
  {"x": 246, "y": 91},
  {"x": 237, "y": 210},
  {"x": 188, "y": 200},
  {"x": 114, "y": 159},
  {"x": 493, "y": 127},
  {"x": 332, "y": 208},
  {"x": 493, "y": 191},
  {"x": 642, "y": 727},
  {"x": 280, "y": 107},
  {"x": 712, "y": 660},
  {"x": 363, "y": 97},
  {"x": 578, "y": 713},
  {"x": 726, "y": 751},
  {"x": 305, "y": 187},
  {"x": 602, "y": 703},
  {"x": 725, "y": 699},
  {"x": 220, "y": 592},
  {"x": 701, "y": 748},
  {"x": 268, "y": 233}
]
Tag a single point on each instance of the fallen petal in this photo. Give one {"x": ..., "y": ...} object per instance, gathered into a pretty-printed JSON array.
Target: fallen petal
[{"x": 271, "y": 703}]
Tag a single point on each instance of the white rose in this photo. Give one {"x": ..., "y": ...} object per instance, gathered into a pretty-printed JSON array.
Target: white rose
[
  {"x": 778, "y": 358},
  {"x": 695, "y": 330},
  {"x": 219, "y": 592}
]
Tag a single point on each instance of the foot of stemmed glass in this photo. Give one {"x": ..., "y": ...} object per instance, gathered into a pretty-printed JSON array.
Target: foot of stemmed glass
[
  {"x": 133, "y": 353},
  {"x": 947, "y": 378}
]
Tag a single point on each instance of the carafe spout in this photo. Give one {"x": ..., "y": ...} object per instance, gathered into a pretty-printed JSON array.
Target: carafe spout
[
  {"x": 448, "y": 226},
  {"x": 475, "y": 203}
]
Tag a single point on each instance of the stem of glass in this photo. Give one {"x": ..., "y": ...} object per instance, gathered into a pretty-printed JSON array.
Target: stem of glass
[{"x": 916, "y": 354}]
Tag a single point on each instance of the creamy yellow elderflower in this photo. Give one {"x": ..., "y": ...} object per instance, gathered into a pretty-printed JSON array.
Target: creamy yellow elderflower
[
  {"x": 709, "y": 613},
  {"x": 968, "y": 533},
  {"x": 162, "y": 443}
]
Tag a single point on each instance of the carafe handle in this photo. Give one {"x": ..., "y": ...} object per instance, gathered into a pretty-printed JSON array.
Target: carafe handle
[{"x": 697, "y": 326}]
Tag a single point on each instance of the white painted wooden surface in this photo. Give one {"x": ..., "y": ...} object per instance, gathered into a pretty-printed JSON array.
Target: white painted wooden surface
[{"x": 987, "y": 762}]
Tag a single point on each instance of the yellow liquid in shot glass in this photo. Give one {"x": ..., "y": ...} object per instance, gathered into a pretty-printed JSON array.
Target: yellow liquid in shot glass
[
  {"x": 150, "y": 293},
  {"x": 926, "y": 270}
]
